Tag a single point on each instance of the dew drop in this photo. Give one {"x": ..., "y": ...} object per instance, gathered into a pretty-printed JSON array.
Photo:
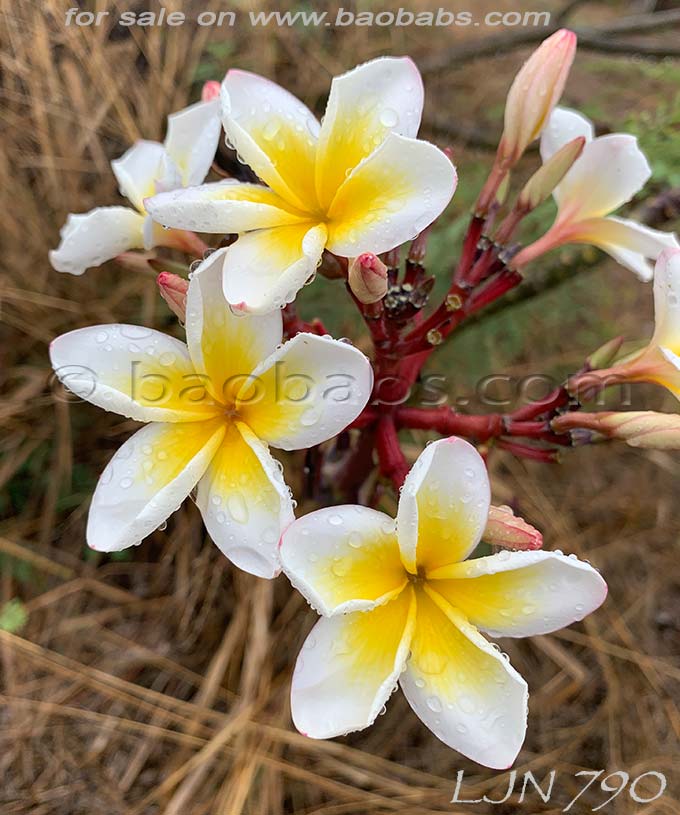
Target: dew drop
[
  {"x": 309, "y": 417},
  {"x": 354, "y": 540},
  {"x": 388, "y": 117},
  {"x": 271, "y": 129},
  {"x": 237, "y": 507}
]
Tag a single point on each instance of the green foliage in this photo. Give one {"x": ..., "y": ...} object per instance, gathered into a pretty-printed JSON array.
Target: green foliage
[
  {"x": 13, "y": 616},
  {"x": 19, "y": 569},
  {"x": 659, "y": 134},
  {"x": 214, "y": 61}
]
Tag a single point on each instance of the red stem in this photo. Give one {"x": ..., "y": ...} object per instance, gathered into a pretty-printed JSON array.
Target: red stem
[
  {"x": 467, "y": 257},
  {"x": 527, "y": 451},
  {"x": 447, "y": 422},
  {"x": 391, "y": 459},
  {"x": 557, "y": 399}
]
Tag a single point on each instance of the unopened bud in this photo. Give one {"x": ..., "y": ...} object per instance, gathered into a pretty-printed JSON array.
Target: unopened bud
[
  {"x": 542, "y": 183},
  {"x": 534, "y": 93},
  {"x": 367, "y": 276},
  {"x": 210, "y": 91},
  {"x": 504, "y": 528},
  {"x": 605, "y": 355},
  {"x": 503, "y": 190},
  {"x": 638, "y": 428},
  {"x": 173, "y": 289},
  {"x": 645, "y": 428}
]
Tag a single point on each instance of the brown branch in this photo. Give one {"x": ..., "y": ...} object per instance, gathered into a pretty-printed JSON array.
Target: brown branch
[{"x": 589, "y": 38}]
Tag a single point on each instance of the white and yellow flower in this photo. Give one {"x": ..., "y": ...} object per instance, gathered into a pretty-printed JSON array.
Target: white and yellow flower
[
  {"x": 359, "y": 182},
  {"x": 212, "y": 406},
  {"x": 401, "y": 604},
  {"x": 92, "y": 238},
  {"x": 659, "y": 360},
  {"x": 609, "y": 172}
]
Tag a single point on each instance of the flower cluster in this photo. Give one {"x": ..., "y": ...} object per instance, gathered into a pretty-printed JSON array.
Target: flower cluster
[{"x": 402, "y": 602}]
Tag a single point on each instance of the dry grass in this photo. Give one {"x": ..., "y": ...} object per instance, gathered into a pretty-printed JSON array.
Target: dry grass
[{"x": 159, "y": 684}]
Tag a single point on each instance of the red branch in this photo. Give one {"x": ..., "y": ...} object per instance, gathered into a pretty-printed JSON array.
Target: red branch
[{"x": 391, "y": 459}]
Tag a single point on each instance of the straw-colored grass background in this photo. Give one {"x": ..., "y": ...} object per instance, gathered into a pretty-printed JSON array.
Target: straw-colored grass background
[{"x": 157, "y": 682}]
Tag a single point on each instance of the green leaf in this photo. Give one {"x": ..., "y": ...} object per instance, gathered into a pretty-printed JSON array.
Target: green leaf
[{"x": 13, "y": 616}]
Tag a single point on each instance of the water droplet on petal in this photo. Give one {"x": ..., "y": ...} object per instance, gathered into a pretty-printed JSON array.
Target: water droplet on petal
[
  {"x": 389, "y": 117},
  {"x": 237, "y": 507}
]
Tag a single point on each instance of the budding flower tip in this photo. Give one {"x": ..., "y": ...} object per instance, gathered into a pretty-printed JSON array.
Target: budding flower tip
[
  {"x": 367, "y": 278},
  {"x": 567, "y": 36},
  {"x": 210, "y": 91},
  {"x": 372, "y": 262}
]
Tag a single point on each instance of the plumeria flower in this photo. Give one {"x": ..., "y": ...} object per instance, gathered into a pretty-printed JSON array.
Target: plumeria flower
[
  {"x": 212, "y": 406},
  {"x": 359, "y": 182},
  {"x": 147, "y": 167},
  {"x": 659, "y": 360},
  {"x": 609, "y": 172},
  {"x": 401, "y": 604}
]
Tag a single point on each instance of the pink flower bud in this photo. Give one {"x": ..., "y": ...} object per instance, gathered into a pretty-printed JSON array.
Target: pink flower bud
[
  {"x": 173, "y": 289},
  {"x": 367, "y": 276},
  {"x": 210, "y": 91},
  {"x": 535, "y": 92},
  {"x": 504, "y": 528}
]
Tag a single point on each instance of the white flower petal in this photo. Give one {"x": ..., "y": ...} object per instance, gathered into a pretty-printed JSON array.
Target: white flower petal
[
  {"x": 266, "y": 269},
  {"x": 348, "y": 667},
  {"x": 630, "y": 243},
  {"x": 306, "y": 392},
  {"x": 379, "y": 97},
  {"x": 667, "y": 299},
  {"x": 245, "y": 503},
  {"x": 443, "y": 506},
  {"x": 225, "y": 206},
  {"x": 564, "y": 126},
  {"x": 609, "y": 172},
  {"x": 521, "y": 594},
  {"x": 225, "y": 347},
  {"x": 390, "y": 197},
  {"x": 138, "y": 169},
  {"x": 343, "y": 558},
  {"x": 461, "y": 687},
  {"x": 192, "y": 138},
  {"x": 273, "y": 132},
  {"x": 96, "y": 236},
  {"x": 147, "y": 480},
  {"x": 132, "y": 370}
]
